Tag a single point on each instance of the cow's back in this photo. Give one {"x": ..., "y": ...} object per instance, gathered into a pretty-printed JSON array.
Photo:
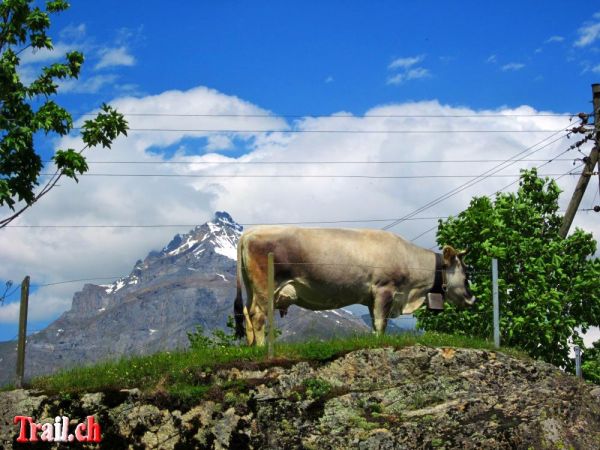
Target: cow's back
[{"x": 335, "y": 255}]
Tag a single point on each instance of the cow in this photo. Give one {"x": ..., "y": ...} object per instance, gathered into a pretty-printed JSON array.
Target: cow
[{"x": 328, "y": 268}]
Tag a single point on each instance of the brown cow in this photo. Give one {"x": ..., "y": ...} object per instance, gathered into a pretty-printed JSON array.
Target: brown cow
[{"x": 327, "y": 268}]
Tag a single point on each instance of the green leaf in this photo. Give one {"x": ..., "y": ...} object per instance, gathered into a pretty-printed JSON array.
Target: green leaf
[{"x": 69, "y": 162}]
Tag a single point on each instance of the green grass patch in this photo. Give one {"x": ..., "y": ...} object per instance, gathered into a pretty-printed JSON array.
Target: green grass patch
[{"x": 183, "y": 373}]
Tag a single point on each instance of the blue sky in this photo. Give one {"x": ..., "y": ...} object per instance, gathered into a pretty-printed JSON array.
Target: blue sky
[
  {"x": 316, "y": 57},
  {"x": 303, "y": 59}
]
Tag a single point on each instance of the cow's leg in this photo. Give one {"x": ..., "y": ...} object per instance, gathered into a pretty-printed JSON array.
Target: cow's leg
[
  {"x": 259, "y": 319},
  {"x": 257, "y": 268},
  {"x": 249, "y": 329},
  {"x": 380, "y": 311}
]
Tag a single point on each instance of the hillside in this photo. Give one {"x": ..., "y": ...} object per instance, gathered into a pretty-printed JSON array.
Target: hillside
[
  {"x": 189, "y": 282},
  {"x": 409, "y": 397}
]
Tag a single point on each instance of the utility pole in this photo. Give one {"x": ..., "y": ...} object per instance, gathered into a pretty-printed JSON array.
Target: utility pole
[
  {"x": 588, "y": 169},
  {"x": 22, "y": 333}
]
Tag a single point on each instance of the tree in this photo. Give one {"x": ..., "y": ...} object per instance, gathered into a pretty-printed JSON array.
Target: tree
[
  {"x": 548, "y": 285},
  {"x": 27, "y": 110},
  {"x": 590, "y": 365}
]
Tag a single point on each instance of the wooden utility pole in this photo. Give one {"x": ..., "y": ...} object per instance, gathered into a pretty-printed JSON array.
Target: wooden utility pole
[
  {"x": 22, "y": 333},
  {"x": 270, "y": 305},
  {"x": 588, "y": 169}
]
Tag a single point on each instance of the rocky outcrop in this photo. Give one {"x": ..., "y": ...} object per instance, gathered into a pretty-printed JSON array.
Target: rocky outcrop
[{"x": 414, "y": 397}]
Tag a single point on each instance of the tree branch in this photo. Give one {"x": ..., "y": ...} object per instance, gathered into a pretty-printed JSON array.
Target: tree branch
[{"x": 49, "y": 185}]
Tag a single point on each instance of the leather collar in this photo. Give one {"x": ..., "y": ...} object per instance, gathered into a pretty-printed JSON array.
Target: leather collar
[{"x": 440, "y": 283}]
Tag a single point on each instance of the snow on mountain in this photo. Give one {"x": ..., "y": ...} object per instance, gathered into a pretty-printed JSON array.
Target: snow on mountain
[{"x": 220, "y": 235}]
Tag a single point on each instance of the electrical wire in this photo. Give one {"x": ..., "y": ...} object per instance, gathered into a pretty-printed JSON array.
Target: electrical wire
[
  {"x": 489, "y": 196},
  {"x": 528, "y": 151},
  {"x": 293, "y": 176},
  {"x": 192, "y": 163},
  {"x": 243, "y": 224},
  {"x": 268, "y": 131},
  {"x": 348, "y": 116}
]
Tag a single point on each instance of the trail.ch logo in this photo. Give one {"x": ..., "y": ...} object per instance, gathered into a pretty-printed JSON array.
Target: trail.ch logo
[{"x": 88, "y": 431}]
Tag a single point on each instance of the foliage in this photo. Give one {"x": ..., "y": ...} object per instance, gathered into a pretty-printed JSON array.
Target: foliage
[
  {"x": 590, "y": 365},
  {"x": 316, "y": 388},
  {"x": 27, "y": 110},
  {"x": 548, "y": 286},
  {"x": 219, "y": 337}
]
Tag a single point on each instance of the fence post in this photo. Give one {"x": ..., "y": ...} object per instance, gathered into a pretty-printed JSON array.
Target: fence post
[
  {"x": 577, "y": 351},
  {"x": 22, "y": 332},
  {"x": 496, "y": 303},
  {"x": 270, "y": 306}
]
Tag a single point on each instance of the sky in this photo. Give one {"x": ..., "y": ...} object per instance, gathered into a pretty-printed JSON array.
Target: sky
[{"x": 323, "y": 82}]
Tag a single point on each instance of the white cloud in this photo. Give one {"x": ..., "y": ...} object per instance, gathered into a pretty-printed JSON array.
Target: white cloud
[
  {"x": 589, "y": 32},
  {"x": 412, "y": 74},
  {"x": 512, "y": 67},
  {"x": 112, "y": 57},
  {"x": 406, "y": 70},
  {"x": 89, "y": 85},
  {"x": 492, "y": 59},
  {"x": 56, "y": 254},
  {"x": 329, "y": 79},
  {"x": 48, "y": 302},
  {"x": 73, "y": 32},
  {"x": 596, "y": 69},
  {"x": 553, "y": 39},
  {"x": 404, "y": 63},
  {"x": 219, "y": 142}
]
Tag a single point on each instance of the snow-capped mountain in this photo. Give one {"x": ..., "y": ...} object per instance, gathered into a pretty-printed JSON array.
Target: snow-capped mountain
[
  {"x": 189, "y": 282},
  {"x": 192, "y": 250}
]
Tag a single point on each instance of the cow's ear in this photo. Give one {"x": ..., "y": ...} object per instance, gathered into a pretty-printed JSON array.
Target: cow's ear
[
  {"x": 413, "y": 305},
  {"x": 462, "y": 254},
  {"x": 449, "y": 253}
]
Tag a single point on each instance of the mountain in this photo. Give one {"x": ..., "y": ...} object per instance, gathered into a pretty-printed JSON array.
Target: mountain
[{"x": 190, "y": 282}]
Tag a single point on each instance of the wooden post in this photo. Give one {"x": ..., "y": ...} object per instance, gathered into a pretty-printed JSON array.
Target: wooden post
[
  {"x": 270, "y": 305},
  {"x": 496, "y": 303},
  {"x": 22, "y": 333},
  {"x": 588, "y": 169},
  {"x": 577, "y": 351}
]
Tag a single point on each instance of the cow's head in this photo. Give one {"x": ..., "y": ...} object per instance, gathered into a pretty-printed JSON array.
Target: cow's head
[{"x": 458, "y": 292}]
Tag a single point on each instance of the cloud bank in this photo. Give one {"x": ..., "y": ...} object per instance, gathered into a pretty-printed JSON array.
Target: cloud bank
[{"x": 57, "y": 254}]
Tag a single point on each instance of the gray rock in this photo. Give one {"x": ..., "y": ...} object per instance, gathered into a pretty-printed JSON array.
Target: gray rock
[{"x": 414, "y": 397}]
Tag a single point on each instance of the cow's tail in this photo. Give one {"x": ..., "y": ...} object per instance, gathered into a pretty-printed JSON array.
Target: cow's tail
[{"x": 238, "y": 306}]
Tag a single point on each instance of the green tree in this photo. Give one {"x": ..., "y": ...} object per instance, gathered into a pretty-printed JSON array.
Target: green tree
[
  {"x": 28, "y": 112},
  {"x": 590, "y": 365},
  {"x": 548, "y": 285}
]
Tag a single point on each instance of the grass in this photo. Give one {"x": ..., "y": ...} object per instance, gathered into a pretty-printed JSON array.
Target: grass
[{"x": 185, "y": 373}]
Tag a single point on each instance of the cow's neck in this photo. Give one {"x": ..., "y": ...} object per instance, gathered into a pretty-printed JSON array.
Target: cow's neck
[{"x": 439, "y": 279}]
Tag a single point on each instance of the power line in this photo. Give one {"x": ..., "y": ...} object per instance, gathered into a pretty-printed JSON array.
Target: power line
[
  {"x": 408, "y": 161},
  {"x": 79, "y": 281},
  {"x": 240, "y": 131},
  {"x": 288, "y": 176},
  {"x": 348, "y": 116},
  {"x": 528, "y": 151},
  {"x": 243, "y": 224},
  {"x": 489, "y": 196}
]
